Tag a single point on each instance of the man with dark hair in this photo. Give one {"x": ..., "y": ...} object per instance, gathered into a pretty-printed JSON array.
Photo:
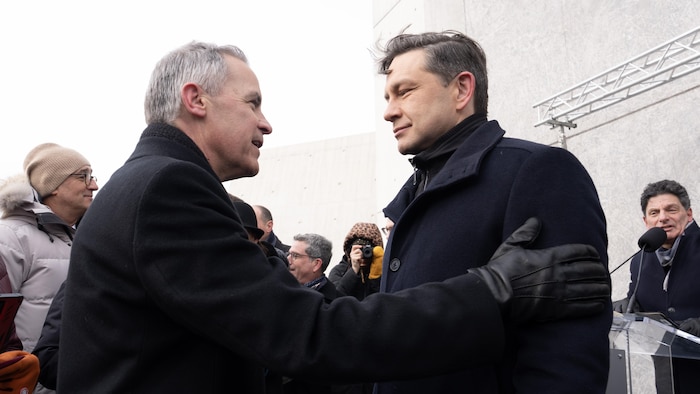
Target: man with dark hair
[
  {"x": 470, "y": 189},
  {"x": 266, "y": 223},
  {"x": 667, "y": 282}
]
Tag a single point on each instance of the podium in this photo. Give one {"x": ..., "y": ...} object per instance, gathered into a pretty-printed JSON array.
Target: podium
[{"x": 643, "y": 348}]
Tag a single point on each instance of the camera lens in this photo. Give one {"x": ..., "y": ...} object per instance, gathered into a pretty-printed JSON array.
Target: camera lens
[{"x": 367, "y": 252}]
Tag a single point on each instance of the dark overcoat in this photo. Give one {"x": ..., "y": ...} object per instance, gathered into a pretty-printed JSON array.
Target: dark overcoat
[
  {"x": 166, "y": 294},
  {"x": 486, "y": 190},
  {"x": 680, "y": 301}
]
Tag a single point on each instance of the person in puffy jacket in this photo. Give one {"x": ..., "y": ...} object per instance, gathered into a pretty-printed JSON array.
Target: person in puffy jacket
[{"x": 40, "y": 211}]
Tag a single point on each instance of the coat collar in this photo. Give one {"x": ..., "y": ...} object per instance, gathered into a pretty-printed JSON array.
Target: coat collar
[
  {"x": 465, "y": 161},
  {"x": 181, "y": 148},
  {"x": 462, "y": 164}
]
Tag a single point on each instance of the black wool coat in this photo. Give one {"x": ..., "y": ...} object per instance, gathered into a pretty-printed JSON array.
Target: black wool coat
[
  {"x": 166, "y": 294},
  {"x": 488, "y": 188},
  {"x": 680, "y": 300}
]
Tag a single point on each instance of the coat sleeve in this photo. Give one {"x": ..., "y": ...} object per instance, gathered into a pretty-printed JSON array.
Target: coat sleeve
[
  {"x": 46, "y": 348},
  {"x": 572, "y": 355},
  {"x": 199, "y": 269}
]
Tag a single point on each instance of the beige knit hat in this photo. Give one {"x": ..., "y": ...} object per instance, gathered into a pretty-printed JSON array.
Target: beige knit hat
[{"x": 49, "y": 164}]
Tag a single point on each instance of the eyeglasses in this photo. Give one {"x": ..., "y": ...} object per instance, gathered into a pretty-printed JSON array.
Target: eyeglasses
[
  {"x": 295, "y": 256},
  {"x": 86, "y": 177},
  {"x": 386, "y": 231}
]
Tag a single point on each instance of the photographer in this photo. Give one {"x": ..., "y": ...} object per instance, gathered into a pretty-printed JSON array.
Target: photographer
[{"x": 359, "y": 271}]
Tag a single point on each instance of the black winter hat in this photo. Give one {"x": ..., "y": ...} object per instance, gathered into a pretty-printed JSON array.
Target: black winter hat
[{"x": 250, "y": 221}]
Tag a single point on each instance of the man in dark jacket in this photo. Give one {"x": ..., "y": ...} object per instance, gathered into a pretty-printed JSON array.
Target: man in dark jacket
[
  {"x": 166, "y": 293},
  {"x": 308, "y": 258},
  {"x": 471, "y": 188},
  {"x": 668, "y": 281},
  {"x": 266, "y": 223}
]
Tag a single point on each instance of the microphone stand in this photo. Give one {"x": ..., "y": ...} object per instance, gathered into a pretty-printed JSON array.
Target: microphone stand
[
  {"x": 633, "y": 298},
  {"x": 624, "y": 262}
]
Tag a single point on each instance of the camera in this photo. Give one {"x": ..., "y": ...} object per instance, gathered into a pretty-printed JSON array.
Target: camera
[{"x": 367, "y": 252}]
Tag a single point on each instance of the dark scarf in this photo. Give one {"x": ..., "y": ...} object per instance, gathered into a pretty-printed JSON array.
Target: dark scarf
[
  {"x": 428, "y": 163},
  {"x": 666, "y": 256},
  {"x": 317, "y": 283}
]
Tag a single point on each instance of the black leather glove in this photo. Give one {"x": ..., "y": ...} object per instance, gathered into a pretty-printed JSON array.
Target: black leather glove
[
  {"x": 691, "y": 326},
  {"x": 621, "y": 306},
  {"x": 545, "y": 284}
]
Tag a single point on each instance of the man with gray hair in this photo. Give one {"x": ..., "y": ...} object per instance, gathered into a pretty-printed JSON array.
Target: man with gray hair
[{"x": 308, "y": 257}]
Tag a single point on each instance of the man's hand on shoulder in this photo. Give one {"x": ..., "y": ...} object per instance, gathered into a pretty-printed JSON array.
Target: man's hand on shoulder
[{"x": 545, "y": 284}]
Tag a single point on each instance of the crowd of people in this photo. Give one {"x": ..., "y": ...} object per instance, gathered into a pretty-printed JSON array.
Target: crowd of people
[{"x": 134, "y": 288}]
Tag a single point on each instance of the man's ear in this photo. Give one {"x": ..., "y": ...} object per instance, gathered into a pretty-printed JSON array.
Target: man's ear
[
  {"x": 465, "y": 83},
  {"x": 193, "y": 99},
  {"x": 318, "y": 264}
]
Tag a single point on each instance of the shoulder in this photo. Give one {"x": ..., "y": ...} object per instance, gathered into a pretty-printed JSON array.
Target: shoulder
[
  {"x": 15, "y": 191},
  {"x": 533, "y": 155},
  {"x": 19, "y": 229}
]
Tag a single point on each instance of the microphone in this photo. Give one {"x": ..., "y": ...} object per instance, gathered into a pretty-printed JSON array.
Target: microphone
[
  {"x": 652, "y": 239},
  {"x": 648, "y": 242}
]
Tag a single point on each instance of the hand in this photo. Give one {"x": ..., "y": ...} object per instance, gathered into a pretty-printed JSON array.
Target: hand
[
  {"x": 691, "y": 326},
  {"x": 545, "y": 284},
  {"x": 19, "y": 371},
  {"x": 621, "y": 306},
  {"x": 356, "y": 258}
]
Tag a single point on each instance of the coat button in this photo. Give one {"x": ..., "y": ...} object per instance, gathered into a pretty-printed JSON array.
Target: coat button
[
  {"x": 671, "y": 310},
  {"x": 395, "y": 264}
]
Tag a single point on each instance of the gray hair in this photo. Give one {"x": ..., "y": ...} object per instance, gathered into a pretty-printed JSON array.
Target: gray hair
[
  {"x": 318, "y": 246},
  {"x": 198, "y": 62}
]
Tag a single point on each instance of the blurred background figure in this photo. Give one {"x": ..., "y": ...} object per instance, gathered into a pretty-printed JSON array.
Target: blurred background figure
[
  {"x": 359, "y": 271},
  {"x": 266, "y": 223}
]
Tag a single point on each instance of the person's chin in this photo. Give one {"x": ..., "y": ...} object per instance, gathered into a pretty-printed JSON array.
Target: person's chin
[
  {"x": 406, "y": 149},
  {"x": 252, "y": 169},
  {"x": 403, "y": 148}
]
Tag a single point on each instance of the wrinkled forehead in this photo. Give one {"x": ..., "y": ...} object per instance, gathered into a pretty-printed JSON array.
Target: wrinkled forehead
[{"x": 664, "y": 200}]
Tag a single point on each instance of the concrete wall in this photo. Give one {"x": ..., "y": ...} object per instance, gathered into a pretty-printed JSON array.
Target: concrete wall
[
  {"x": 321, "y": 187},
  {"x": 534, "y": 50}
]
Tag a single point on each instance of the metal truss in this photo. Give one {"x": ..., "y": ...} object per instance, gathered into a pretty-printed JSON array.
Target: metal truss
[{"x": 667, "y": 62}]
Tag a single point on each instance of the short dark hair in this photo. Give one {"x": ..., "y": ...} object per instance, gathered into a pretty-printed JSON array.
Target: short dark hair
[
  {"x": 665, "y": 187},
  {"x": 448, "y": 53}
]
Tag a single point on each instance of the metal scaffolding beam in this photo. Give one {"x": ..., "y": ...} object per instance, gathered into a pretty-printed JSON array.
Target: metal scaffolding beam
[{"x": 667, "y": 62}]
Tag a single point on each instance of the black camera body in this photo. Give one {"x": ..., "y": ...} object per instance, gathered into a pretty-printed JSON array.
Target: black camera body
[{"x": 367, "y": 252}]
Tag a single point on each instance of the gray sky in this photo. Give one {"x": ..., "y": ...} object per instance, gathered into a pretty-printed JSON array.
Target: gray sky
[{"x": 75, "y": 72}]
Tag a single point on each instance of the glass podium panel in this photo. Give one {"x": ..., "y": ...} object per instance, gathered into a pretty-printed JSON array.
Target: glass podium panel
[{"x": 642, "y": 350}]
